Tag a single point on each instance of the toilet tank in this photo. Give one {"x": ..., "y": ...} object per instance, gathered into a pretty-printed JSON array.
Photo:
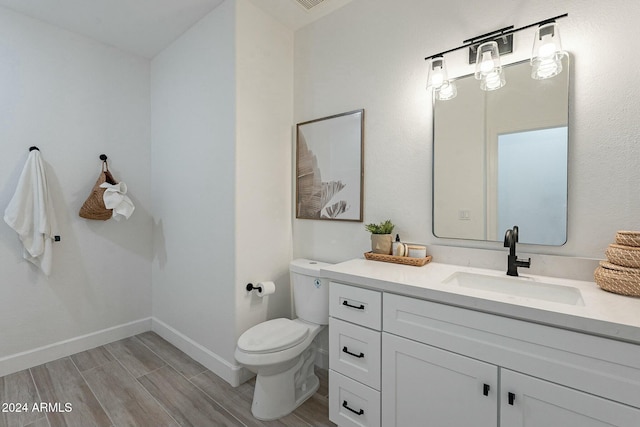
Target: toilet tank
[{"x": 310, "y": 291}]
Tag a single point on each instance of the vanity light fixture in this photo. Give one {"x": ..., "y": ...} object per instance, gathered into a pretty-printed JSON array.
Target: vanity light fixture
[
  {"x": 485, "y": 51},
  {"x": 437, "y": 73},
  {"x": 546, "y": 59},
  {"x": 438, "y": 81},
  {"x": 488, "y": 68}
]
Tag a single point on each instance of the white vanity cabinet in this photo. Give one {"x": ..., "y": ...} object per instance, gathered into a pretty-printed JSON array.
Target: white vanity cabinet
[
  {"x": 449, "y": 366},
  {"x": 424, "y": 385},
  {"x": 530, "y": 402},
  {"x": 355, "y": 325}
]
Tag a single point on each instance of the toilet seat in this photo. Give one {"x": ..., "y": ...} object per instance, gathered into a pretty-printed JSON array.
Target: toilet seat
[{"x": 272, "y": 336}]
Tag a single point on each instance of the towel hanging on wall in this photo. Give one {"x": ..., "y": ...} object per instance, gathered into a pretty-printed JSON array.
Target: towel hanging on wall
[
  {"x": 30, "y": 213},
  {"x": 115, "y": 198},
  {"x": 94, "y": 207}
]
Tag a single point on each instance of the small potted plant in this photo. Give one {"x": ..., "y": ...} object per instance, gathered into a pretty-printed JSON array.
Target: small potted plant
[{"x": 381, "y": 238}]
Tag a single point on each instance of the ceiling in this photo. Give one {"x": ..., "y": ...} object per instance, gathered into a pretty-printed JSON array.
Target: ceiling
[{"x": 145, "y": 27}]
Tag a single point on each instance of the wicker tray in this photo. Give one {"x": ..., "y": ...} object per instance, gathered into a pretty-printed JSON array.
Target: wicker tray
[
  {"x": 418, "y": 262},
  {"x": 626, "y": 256},
  {"x": 628, "y": 238},
  {"x": 619, "y": 280}
]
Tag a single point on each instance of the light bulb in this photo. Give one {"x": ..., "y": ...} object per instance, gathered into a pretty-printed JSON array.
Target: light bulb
[
  {"x": 547, "y": 50},
  {"x": 492, "y": 81},
  {"x": 447, "y": 91},
  {"x": 486, "y": 66},
  {"x": 437, "y": 80},
  {"x": 548, "y": 68},
  {"x": 437, "y": 73}
]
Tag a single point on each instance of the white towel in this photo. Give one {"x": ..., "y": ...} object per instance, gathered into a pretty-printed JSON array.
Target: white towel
[
  {"x": 115, "y": 198},
  {"x": 30, "y": 213}
]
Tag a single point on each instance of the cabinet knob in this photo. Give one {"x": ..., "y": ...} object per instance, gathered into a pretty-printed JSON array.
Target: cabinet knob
[
  {"x": 485, "y": 389},
  {"x": 512, "y": 398},
  {"x": 346, "y": 405}
]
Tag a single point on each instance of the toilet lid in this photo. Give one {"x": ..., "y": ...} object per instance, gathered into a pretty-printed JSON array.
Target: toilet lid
[{"x": 272, "y": 335}]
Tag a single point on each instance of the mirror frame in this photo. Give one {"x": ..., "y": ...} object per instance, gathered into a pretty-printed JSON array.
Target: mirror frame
[{"x": 568, "y": 70}]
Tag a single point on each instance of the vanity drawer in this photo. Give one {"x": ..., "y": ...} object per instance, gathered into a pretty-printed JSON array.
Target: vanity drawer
[
  {"x": 356, "y": 305},
  {"x": 355, "y": 352},
  {"x": 352, "y": 404}
]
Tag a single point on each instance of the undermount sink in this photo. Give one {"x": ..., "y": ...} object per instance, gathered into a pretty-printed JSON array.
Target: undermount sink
[{"x": 525, "y": 287}]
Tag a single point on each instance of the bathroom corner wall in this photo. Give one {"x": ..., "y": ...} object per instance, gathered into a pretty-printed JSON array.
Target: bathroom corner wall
[
  {"x": 264, "y": 110},
  {"x": 193, "y": 179},
  {"x": 221, "y": 107},
  {"x": 369, "y": 54},
  {"x": 74, "y": 98}
]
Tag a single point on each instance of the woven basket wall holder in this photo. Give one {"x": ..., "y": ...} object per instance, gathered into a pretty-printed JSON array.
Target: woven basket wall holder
[{"x": 93, "y": 207}]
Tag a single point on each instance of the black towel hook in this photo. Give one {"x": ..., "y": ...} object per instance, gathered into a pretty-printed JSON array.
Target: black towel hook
[{"x": 33, "y": 147}]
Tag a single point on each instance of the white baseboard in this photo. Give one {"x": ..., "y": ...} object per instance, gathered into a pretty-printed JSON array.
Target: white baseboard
[
  {"x": 234, "y": 374},
  {"x": 38, "y": 356}
]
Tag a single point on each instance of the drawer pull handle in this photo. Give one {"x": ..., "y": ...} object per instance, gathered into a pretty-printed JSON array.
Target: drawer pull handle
[
  {"x": 346, "y": 405},
  {"x": 485, "y": 389},
  {"x": 345, "y": 302},
  {"x": 512, "y": 398},
  {"x": 345, "y": 350}
]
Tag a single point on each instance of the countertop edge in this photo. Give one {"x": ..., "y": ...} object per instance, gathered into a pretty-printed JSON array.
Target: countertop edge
[{"x": 592, "y": 326}]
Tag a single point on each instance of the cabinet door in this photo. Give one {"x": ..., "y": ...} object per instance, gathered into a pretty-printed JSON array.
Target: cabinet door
[
  {"x": 427, "y": 386},
  {"x": 531, "y": 402}
]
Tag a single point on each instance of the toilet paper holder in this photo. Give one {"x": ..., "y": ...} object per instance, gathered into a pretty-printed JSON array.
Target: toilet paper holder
[{"x": 250, "y": 287}]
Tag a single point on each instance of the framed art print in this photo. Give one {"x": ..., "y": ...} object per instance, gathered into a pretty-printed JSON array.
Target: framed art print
[{"x": 329, "y": 167}]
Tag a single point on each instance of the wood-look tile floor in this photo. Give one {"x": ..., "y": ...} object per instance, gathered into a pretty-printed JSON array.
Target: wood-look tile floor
[{"x": 138, "y": 381}]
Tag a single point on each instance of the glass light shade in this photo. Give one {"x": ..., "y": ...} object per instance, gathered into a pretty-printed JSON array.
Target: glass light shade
[
  {"x": 437, "y": 73},
  {"x": 546, "y": 59},
  {"x": 492, "y": 81},
  {"x": 487, "y": 60},
  {"x": 447, "y": 91}
]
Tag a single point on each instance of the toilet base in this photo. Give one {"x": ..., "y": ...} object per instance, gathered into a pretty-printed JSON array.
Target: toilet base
[{"x": 278, "y": 395}]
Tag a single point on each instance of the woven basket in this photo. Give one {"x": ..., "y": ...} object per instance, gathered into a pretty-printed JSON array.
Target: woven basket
[
  {"x": 617, "y": 279},
  {"x": 628, "y": 238},
  {"x": 626, "y": 256},
  {"x": 417, "y": 262},
  {"x": 93, "y": 207}
]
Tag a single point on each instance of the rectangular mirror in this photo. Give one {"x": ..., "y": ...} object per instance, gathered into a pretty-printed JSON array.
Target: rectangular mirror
[{"x": 500, "y": 159}]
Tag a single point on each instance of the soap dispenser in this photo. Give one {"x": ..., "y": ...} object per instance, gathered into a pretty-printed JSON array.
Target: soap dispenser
[{"x": 394, "y": 246}]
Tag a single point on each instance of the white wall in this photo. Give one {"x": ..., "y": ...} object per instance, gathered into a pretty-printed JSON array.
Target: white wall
[
  {"x": 221, "y": 171},
  {"x": 75, "y": 99},
  {"x": 369, "y": 54},
  {"x": 264, "y": 110},
  {"x": 193, "y": 173}
]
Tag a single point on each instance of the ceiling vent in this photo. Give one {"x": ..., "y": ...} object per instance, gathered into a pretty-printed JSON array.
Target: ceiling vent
[{"x": 308, "y": 4}]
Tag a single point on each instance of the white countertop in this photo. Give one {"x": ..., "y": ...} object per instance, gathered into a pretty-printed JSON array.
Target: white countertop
[{"x": 603, "y": 313}]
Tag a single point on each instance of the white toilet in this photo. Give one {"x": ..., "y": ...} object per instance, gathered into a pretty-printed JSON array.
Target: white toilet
[{"x": 281, "y": 351}]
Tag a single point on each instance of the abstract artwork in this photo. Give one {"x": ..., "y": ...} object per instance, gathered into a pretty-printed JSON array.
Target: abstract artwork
[{"x": 329, "y": 167}]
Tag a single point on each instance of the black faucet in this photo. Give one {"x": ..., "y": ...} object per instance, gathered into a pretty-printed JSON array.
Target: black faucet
[{"x": 510, "y": 240}]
